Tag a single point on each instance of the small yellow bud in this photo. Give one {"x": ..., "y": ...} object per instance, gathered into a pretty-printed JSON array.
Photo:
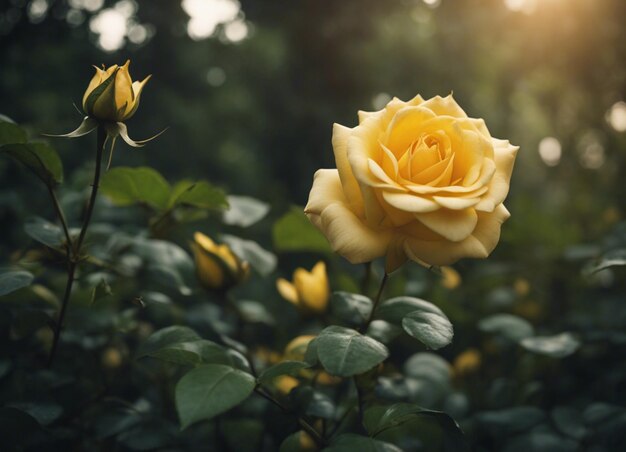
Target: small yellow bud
[
  {"x": 467, "y": 362},
  {"x": 309, "y": 291},
  {"x": 112, "y": 95},
  {"x": 217, "y": 266},
  {"x": 295, "y": 350},
  {"x": 112, "y": 358},
  {"x": 285, "y": 383},
  {"x": 521, "y": 287},
  {"x": 451, "y": 278}
]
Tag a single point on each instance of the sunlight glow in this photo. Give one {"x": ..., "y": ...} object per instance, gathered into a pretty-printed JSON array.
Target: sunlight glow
[
  {"x": 616, "y": 116},
  {"x": 110, "y": 25},
  {"x": 527, "y": 6},
  {"x": 550, "y": 151},
  {"x": 206, "y": 15},
  {"x": 114, "y": 25}
]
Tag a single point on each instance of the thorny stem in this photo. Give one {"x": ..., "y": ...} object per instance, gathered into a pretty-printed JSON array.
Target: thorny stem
[{"x": 74, "y": 249}]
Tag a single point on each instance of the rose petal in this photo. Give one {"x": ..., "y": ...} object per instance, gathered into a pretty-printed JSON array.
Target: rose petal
[
  {"x": 348, "y": 235},
  {"x": 405, "y": 128},
  {"x": 478, "y": 245},
  {"x": 454, "y": 225},
  {"x": 452, "y": 203},
  {"x": 341, "y": 135},
  {"x": 444, "y": 106},
  {"x": 499, "y": 187},
  {"x": 287, "y": 290},
  {"x": 410, "y": 202}
]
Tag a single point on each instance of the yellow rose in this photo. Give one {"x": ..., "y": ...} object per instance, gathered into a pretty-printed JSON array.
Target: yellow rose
[
  {"x": 309, "y": 291},
  {"x": 418, "y": 180},
  {"x": 217, "y": 266},
  {"x": 112, "y": 95}
]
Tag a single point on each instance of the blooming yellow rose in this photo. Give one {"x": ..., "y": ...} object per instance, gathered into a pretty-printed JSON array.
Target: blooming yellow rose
[
  {"x": 309, "y": 291},
  {"x": 112, "y": 95},
  {"x": 217, "y": 266},
  {"x": 418, "y": 180}
]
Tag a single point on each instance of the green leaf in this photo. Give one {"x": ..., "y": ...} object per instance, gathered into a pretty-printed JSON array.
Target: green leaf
[
  {"x": 44, "y": 232},
  {"x": 420, "y": 319},
  {"x": 345, "y": 352},
  {"x": 509, "y": 326},
  {"x": 10, "y": 132},
  {"x": 260, "y": 259},
  {"x": 428, "y": 366},
  {"x": 400, "y": 413},
  {"x": 194, "y": 353},
  {"x": 210, "y": 390},
  {"x": 282, "y": 368},
  {"x": 350, "y": 442},
  {"x": 557, "y": 346},
  {"x": 352, "y": 308},
  {"x": 166, "y": 263},
  {"x": 395, "y": 309},
  {"x": 244, "y": 211},
  {"x": 10, "y": 281},
  {"x": 254, "y": 312},
  {"x": 182, "y": 345},
  {"x": 434, "y": 330},
  {"x": 40, "y": 158},
  {"x": 294, "y": 232},
  {"x": 510, "y": 421},
  {"x": 167, "y": 337},
  {"x": 310, "y": 354},
  {"x": 199, "y": 194},
  {"x": 125, "y": 186}
]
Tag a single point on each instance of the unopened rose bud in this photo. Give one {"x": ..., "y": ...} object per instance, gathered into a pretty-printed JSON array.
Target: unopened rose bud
[
  {"x": 217, "y": 266},
  {"x": 112, "y": 95}
]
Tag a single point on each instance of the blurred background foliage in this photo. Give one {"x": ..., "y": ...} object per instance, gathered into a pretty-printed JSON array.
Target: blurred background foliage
[{"x": 249, "y": 91}]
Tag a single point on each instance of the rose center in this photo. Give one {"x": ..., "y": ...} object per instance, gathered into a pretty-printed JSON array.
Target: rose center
[{"x": 427, "y": 161}]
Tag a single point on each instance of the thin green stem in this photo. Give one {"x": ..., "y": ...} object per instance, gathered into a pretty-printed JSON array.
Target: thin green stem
[
  {"x": 74, "y": 250},
  {"x": 379, "y": 294},
  {"x": 94, "y": 190}
]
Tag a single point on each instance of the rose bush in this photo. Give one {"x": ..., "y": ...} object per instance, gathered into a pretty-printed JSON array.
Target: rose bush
[{"x": 416, "y": 180}]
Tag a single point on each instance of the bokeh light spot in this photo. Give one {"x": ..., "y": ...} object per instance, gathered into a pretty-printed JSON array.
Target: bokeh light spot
[
  {"x": 550, "y": 151},
  {"x": 616, "y": 116}
]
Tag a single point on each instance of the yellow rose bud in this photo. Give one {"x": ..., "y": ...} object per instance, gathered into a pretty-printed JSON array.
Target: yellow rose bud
[
  {"x": 217, "y": 266},
  {"x": 112, "y": 358},
  {"x": 112, "y": 95},
  {"x": 451, "y": 278},
  {"x": 467, "y": 362},
  {"x": 416, "y": 180},
  {"x": 295, "y": 350},
  {"x": 286, "y": 383},
  {"x": 309, "y": 291}
]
